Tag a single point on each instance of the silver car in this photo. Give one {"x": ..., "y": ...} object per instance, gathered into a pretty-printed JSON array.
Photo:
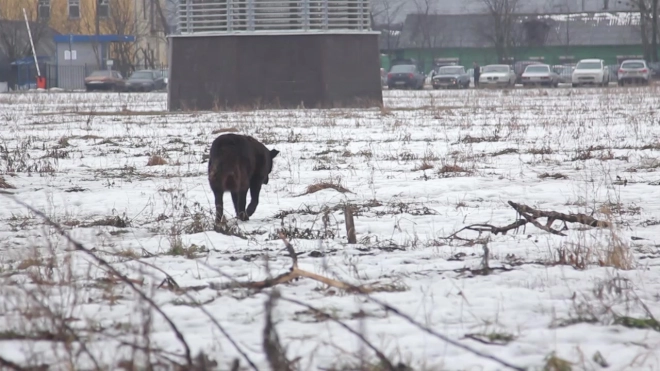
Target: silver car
[
  {"x": 633, "y": 71},
  {"x": 539, "y": 74},
  {"x": 498, "y": 75}
]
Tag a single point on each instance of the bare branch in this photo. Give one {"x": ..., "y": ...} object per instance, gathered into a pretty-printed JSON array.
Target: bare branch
[{"x": 381, "y": 357}]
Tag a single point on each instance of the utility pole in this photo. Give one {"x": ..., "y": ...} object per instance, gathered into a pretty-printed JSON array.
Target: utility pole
[{"x": 97, "y": 32}]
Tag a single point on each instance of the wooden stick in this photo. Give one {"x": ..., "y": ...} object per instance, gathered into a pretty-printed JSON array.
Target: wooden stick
[{"x": 350, "y": 224}]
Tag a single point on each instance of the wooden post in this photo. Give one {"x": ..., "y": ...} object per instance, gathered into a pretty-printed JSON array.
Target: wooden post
[{"x": 350, "y": 224}]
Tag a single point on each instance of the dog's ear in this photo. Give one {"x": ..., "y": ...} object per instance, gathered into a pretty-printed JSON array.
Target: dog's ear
[{"x": 273, "y": 153}]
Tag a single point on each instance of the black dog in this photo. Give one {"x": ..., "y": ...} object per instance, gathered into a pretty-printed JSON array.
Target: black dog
[{"x": 238, "y": 163}]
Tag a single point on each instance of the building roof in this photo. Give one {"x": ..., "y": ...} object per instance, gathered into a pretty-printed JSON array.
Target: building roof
[
  {"x": 475, "y": 30},
  {"x": 29, "y": 60},
  {"x": 91, "y": 38}
]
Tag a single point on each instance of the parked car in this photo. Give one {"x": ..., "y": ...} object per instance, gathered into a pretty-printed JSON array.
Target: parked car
[
  {"x": 470, "y": 73},
  {"x": 145, "y": 80},
  {"x": 405, "y": 76},
  {"x": 654, "y": 68},
  {"x": 165, "y": 73},
  {"x": 591, "y": 72},
  {"x": 497, "y": 75},
  {"x": 438, "y": 66},
  {"x": 451, "y": 77},
  {"x": 539, "y": 74},
  {"x": 633, "y": 71},
  {"x": 564, "y": 73},
  {"x": 105, "y": 80},
  {"x": 520, "y": 66}
]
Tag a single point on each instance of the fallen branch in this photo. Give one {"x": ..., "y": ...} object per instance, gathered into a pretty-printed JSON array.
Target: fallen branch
[
  {"x": 553, "y": 215},
  {"x": 296, "y": 272},
  {"x": 531, "y": 215}
]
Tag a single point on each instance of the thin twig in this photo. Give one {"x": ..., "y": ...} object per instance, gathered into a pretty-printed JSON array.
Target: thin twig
[
  {"x": 381, "y": 357},
  {"x": 11, "y": 365}
]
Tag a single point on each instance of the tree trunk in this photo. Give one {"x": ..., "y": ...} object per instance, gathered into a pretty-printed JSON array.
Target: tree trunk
[{"x": 654, "y": 20}]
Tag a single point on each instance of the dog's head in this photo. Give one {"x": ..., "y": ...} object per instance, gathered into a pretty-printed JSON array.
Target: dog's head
[{"x": 271, "y": 155}]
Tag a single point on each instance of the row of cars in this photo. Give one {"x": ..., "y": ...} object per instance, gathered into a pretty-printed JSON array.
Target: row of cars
[
  {"x": 588, "y": 72},
  {"x": 406, "y": 74},
  {"x": 142, "y": 80}
]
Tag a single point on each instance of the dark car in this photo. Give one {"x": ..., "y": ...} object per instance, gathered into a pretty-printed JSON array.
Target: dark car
[
  {"x": 451, "y": 77},
  {"x": 105, "y": 80},
  {"x": 405, "y": 76},
  {"x": 145, "y": 80},
  {"x": 165, "y": 74}
]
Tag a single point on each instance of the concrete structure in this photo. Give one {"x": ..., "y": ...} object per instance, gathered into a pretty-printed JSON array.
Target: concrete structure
[
  {"x": 269, "y": 53},
  {"x": 78, "y": 55}
]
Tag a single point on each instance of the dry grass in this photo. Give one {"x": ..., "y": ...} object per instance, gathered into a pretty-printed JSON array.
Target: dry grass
[
  {"x": 615, "y": 254},
  {"x": 156, "y": 160},
  {"x": 4, "y": 184},
  {"x": 424, "y": 165}
]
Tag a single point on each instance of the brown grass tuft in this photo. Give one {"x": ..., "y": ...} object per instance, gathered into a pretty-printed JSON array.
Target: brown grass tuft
[
  {"x": 312, "y": 188},
  {"x": 4, "y": 184},
  {"x": 553, "y": 176},
  {"x": 156, "y": 160},
  {"x": 448, "y": 170}
]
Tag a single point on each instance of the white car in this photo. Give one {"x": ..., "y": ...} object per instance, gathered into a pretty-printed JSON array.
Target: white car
[
  {"x": 539, "y": 74},
  {"x": 633, "y": 71},
  {"x": 497, "y": 75},
  {"x": 591, "y": 72}
]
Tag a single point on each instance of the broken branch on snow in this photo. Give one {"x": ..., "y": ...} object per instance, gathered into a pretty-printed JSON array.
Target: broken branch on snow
[{"x": 531, "y": 215}]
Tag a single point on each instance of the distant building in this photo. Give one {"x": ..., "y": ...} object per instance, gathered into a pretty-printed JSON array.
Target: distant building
[
  {"x": 142, "y": 19},
  {"x": 15, "y": 68},
  {"x": 553, "y": 38},
  {"x": 396, "y": 11}
]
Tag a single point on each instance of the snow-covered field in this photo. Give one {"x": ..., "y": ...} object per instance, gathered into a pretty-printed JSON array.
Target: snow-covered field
[{"x": 416, "y": 171}]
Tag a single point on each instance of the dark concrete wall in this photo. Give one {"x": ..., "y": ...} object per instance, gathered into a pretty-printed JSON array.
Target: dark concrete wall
[{"x": 259, "y": 71}]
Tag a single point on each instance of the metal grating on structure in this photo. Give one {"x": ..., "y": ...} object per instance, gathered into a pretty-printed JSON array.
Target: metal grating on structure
[{"x": 260, "y": 16}]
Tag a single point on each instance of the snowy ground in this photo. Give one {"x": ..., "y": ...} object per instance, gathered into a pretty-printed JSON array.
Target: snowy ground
[{"x": 425, "y": 166}]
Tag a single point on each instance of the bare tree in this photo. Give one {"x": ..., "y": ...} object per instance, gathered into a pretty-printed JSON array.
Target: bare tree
[
  {"x": 500, "y": 29},
  {"x": 385, "y": 18},
  {"x": 14, "y": 40},
  {"x": 427, "y": 27},
  {"x": 648, "y": 23}
]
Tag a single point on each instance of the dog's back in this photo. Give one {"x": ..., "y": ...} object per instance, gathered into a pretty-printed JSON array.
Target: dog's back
[{"x": 231, "y": 162}]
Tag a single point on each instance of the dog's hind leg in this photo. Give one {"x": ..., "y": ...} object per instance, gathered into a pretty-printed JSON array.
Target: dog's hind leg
[
  {"x": 255, "y": 188},
  {"x": 219, "y": 210},
  {"x": 234, "y": 199},
  {"x": 242, "y": 199}
]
